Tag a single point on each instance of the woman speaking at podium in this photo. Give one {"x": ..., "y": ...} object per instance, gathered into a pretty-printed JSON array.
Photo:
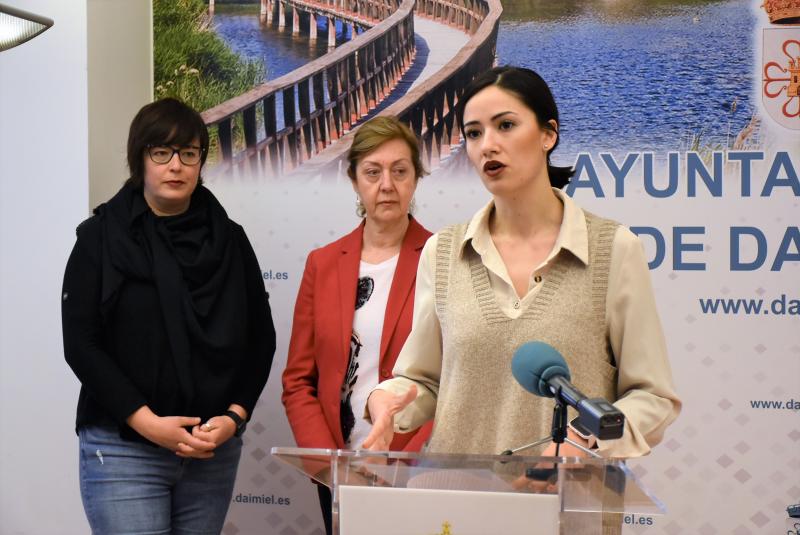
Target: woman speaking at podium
[
  {"x": 530, "y": 265},
  {"x": 168, "y": 328},
  {"x": 355, "y": 302}
]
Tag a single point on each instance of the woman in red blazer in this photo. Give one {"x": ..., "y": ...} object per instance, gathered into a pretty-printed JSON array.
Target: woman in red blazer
[{"x": 355, "y": 302}]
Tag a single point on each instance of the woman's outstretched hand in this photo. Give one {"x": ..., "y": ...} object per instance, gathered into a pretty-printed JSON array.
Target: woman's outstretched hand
[{"x": 382, "y": 408}]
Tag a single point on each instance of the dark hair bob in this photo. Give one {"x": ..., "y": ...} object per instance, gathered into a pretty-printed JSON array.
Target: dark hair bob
[
  {"x": 534, "y": 92},
  {"x": 164, "y": 122}
]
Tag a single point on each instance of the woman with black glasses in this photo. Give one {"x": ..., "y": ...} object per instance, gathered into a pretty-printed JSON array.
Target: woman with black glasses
[{"x": 168, "y": 328}]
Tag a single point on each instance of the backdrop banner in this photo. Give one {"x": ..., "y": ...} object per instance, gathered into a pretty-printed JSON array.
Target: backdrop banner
[{"x": 682, "y": 120}]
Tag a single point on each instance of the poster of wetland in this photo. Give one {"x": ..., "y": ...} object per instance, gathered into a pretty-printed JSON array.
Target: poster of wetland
[
  {"x": 628, "y": 75},
  {"x": 682, "y": 120}
]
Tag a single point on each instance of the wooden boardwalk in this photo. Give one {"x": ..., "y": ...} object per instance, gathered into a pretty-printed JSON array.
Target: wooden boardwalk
[
  {"x": 445, "y": 42},
  {"x": 413, "y": 64}
]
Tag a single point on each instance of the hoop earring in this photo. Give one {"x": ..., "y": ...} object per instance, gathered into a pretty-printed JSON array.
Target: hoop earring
[{"x": 361, "y": 210}]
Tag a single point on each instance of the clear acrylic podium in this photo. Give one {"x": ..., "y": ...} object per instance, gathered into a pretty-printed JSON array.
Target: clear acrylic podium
[{"x": 440, "y": 494}]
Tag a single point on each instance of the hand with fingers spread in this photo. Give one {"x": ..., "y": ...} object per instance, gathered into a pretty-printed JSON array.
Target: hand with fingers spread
[
  {"x": 382, "y": 408},
  {"x": 170, "y": 432}
]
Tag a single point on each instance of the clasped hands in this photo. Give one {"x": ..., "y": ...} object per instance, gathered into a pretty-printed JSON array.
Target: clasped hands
[{"x": 171, "y": 432}]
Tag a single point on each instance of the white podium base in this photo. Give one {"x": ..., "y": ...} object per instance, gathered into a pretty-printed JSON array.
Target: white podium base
[{"x": 399, "y": 511}]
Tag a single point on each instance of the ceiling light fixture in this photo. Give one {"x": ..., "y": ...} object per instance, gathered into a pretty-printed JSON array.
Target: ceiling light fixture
[{"x": 17, "y": 26}]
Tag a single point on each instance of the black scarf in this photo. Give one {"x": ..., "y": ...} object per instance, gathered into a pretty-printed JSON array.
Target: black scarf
[{"x": 192, "y": 259}]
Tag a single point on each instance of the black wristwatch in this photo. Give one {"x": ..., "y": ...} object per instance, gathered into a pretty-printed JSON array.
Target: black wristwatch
[{"x": 241, "y": 423}]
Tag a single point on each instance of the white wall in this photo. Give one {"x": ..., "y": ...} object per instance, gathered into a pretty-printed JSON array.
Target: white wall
[
  {"x": 66, "y": 100},
  {"x": 43, "y": 196},
  {"x": 120, "y": 44}
]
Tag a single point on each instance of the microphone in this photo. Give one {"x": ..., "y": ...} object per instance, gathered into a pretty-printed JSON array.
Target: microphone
[{"x": 541, "y": 370}]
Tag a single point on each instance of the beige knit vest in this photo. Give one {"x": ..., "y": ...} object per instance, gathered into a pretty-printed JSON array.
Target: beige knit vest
[{"x": 480, "y": 407}]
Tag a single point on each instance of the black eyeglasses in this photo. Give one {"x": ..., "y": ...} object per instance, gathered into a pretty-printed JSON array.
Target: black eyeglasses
[{"x": 162, "y": 154}]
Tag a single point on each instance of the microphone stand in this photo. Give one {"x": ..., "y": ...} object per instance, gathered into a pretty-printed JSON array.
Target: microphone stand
[
  {"x": 558, "y": 432},
  {"x": 558, "y": 435}
]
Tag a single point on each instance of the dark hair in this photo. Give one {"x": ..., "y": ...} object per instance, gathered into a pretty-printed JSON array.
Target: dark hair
[
  {"x": 377, "y": 131},
  {"x": 164, "y": 122},
  {"x": 533, "y": 91}
]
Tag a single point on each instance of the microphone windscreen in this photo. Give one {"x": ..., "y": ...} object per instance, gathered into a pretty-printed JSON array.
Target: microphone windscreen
[{"x": 534, "y": 364}]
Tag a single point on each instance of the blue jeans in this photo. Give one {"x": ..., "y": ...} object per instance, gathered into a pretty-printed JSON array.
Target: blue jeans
[{"x": 134, "y": 488}]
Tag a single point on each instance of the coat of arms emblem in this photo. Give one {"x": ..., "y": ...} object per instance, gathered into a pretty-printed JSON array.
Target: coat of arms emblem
[{"x": 780, "y": 76}]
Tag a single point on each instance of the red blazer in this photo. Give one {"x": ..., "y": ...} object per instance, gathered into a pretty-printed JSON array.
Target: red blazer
[{"x": 320, "y": 345}]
